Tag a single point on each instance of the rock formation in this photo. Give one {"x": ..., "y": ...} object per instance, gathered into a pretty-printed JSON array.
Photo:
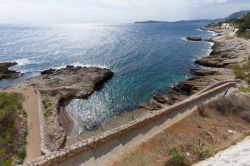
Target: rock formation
[
  {"x": 60, "y": 86},
  {"x": 194, "y": 38},
  {"x": 5, "y": 73}
]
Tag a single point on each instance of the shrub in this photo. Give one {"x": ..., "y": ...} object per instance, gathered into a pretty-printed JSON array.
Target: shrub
[
  {"x": 232, "y": 104},
  {"x": 200, "y": 149},
  {"x": 21, "y": 153},
  {"x": 202, "y": 111},
  {"x": 10, "y": 109},
  {"x": 9, "y": 103},
  {"x": 47, "y": 113},
  {"x": 243, "y": 72},
  {"x": 7, "y": 162},
  {"x": 176, "y": 155},
  {"x": 47, "y": 103}
]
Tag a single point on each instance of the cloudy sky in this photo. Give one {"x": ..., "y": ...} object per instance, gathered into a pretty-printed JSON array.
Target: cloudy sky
[{"x": 115, "y": 11}]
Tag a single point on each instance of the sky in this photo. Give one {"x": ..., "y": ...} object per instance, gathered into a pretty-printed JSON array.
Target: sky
[{"x": 115, "y": 11}]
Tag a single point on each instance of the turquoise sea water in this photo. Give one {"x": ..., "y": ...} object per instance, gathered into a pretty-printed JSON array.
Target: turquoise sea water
[{"x": 146, "y": 58}]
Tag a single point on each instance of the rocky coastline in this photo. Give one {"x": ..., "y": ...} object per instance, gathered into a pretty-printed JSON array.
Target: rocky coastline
[
  {"x": 218, "y": 66},
  {"x": 228, "y": 50}
]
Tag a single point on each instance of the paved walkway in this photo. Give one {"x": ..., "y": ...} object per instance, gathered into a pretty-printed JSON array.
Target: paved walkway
[
  {"x": 30, "y": 105},
  {"x": 236, "y": 155}
]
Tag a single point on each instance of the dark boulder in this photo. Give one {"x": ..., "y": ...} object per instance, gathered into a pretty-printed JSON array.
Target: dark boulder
[
  {"x": 5, "y": 73},
  {"x": 194, "y": 38},
  {"x": 48, "y": 72}
]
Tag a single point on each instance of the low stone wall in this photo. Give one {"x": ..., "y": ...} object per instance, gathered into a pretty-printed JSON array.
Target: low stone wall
[
  {"x": 68, "y": 152},
  {"x": 44, "y": 148}
]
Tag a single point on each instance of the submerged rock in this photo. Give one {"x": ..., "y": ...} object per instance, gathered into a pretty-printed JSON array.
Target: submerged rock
[{"x": 5, "y": 73}]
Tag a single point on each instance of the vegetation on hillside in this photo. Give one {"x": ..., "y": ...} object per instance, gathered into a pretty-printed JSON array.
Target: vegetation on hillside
[
  {"x": 13, "y": 129},
  {"x": 244, "y": 24},
  {"x": 215, "y": 126},
  {"x": 243, "y": 71}
]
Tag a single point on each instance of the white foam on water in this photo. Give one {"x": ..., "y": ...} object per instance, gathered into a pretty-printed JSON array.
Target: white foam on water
[
  {"x": 23, "y": 61},
  {"x": 184, "y": 39},
  {"x": 201, "y": 30},
  {"x": 82, "y": 65}
]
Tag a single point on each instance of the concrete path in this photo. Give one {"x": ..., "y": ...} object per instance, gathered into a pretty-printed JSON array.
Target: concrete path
[
  {"x": 236, "y": 155},
  {"x": 30, "y": 105}
]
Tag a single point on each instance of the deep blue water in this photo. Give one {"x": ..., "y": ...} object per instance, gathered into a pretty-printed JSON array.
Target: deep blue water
[{"x": 146, "y": 58}]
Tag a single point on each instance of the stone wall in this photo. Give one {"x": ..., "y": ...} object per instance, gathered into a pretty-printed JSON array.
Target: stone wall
[
  {"x": 44, "y": 148},
  {"x": 68, "y": 152}
]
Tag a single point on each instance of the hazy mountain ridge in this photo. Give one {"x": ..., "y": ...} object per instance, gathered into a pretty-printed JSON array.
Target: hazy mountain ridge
[{"x": 200, "y": 21}]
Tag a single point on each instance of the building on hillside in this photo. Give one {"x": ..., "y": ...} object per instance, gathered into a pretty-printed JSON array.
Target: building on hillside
[{"x": 230, "y": 27}]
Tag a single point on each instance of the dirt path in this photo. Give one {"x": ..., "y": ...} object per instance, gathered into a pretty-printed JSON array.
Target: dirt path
[{"x": 30, "y": 105}]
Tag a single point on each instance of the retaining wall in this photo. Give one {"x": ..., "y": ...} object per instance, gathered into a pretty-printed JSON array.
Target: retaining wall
[
  {"x": 44, "y": 148},
  {"x": 69, "y": 152}
]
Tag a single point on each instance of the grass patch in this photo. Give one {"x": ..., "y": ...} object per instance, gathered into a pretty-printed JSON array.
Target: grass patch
[
  {"x": 138, "y": 158},
  {"x": 243, "y": 71},
  {"x": 200, "y": 149},
  {"x": 176, "y": 155},
  {"x": 244, "y": 90},
  {"x": 10, "y": 137},
  {"x": 244, "y": 35},
  {"x": 47, "y": 105}
]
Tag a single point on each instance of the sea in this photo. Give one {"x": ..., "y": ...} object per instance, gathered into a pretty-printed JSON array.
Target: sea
[{"x": 146, "y": 59}]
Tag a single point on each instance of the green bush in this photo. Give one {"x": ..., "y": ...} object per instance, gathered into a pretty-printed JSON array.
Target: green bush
[
  {"x": 176, "y": 155},
  {"x": 7, "y": 162},
  {"x": 9, "y": 103},
  {"x": 47, "y": 103},
  {"x": 244, "y": 90},
  {"x": 21, "y": 153},
  {"x": 243, "y": 23},
  {"x": 243, "y": 72},
  {"x": 10, "y": 109},
  {"x": 200, "y": 149}
]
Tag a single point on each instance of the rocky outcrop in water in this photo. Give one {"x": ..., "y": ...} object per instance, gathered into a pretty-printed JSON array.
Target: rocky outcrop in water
[
  {"x": 5, "y": 73},
  {"x": 58, "y": 87},
  {"x": 194, "y": 38}
]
